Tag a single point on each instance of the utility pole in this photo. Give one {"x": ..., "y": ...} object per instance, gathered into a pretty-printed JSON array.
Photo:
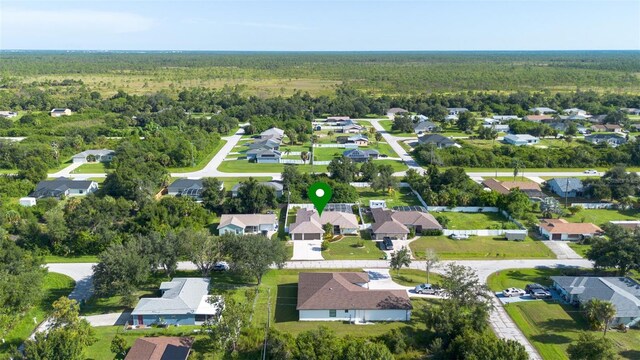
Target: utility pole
[{"x": 566, "y": 193}]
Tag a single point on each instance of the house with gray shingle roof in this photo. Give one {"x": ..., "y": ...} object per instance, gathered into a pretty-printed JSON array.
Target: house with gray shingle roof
[
  {"x": 457, "y": 111},
  {"x": 396, "y": 224},
  {"x": 567, "y": 187},
  {"x": 622, "y": 292},
  {"x": 424, "y": 126},
  {"x": 345, "y": 296},
  {"x": 609, "y": 139},
  {"x": 64, "y": 187},
  {"x": 309, "y": 226},
  {"x": 103, "y": 155},
  {"x": 184, "y": 301},
  {"x": 542, "y": 110},
  {"x": 241, "y": 224},
  {"x": 438, "y": 140},
  {"x": 361, "y": 155}
]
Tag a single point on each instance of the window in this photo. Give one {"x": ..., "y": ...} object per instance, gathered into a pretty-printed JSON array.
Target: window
[
  {"x": 332, "y": 313},
  {"x": 346, "y": 311}
]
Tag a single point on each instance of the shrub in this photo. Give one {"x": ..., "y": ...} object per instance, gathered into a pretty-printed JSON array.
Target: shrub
[
  {"x": 325, "y": 245},
  {"x": 431, "y": 232}
]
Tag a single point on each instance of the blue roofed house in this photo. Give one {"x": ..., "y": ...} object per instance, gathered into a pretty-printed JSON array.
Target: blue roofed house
[
  {"x": 264, "y": 156},
  {"x": 184, "y": 301},
  {"x": 424, "y": 126},
  {"x": 521, "y": 139},
  {"x": 360, "y": 155},
  {"x": 64, "y": 187},
  {"x": 567, "y": 187}
]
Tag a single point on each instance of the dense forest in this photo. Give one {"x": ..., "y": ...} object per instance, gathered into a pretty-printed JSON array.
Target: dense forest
[{"x": 391, "y": 73}]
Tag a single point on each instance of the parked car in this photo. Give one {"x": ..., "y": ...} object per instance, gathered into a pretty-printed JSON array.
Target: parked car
[
  {"x": 387, "y": 244},
  {"x": 427, "y": 289},
  {"x": 221, "y": 266},
  {"x": 513, "y": 292},
  {"x": 459, "y": 236},
  {"x": 540, "y": 294},
  {"x": 591, "y": 172},
  {"x": 531, "y": 287}
]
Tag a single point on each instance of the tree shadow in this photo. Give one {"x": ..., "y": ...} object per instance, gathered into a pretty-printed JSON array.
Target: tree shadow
[
  {"x": 630, "y": 354},
  {"x": 552, "y": 339},
  {"x": 286, "y": 302}
]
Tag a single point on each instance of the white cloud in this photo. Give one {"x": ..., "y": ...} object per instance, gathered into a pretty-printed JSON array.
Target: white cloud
[{"x": 72, "y": 21}]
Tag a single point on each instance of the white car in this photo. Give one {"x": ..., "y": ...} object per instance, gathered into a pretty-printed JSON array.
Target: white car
[
  {"x": 459, "y": 236},
  {"x": 591, "y": 172},
  {"x": 513, "y": 292}
]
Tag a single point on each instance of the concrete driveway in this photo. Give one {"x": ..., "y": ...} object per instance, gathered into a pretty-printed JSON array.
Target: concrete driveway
[
  {"x": 380, "y": 279},
  {"x": 561, "y": 249},
  {"x": 111, "y": 319},
  {"x": 307, "y": 250}
]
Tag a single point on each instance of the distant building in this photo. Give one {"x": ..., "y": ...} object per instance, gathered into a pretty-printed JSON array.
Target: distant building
[
  {"x": 27, "y": 201},
  {"x": 187, "y": 187},
  {"x": 358, "y": 139},
  {"x": 8, "y": 114},
  {"x": 607, "y": 127},
  {"x": 609, "y": 139},
  {"x": 64, "y": 187},
  {"x": 521, "y": 139},
  {"x": 457, "y": 111},
  {"x": 538, "y": 118},
  {"x": 567, "y": 187},
  {"x": 627, "y": 224},
  {"x": 424, "y": 127},
  {"x": 542, "y": 110},
  {"x": 505, "y": 117},
  {"x": 574, "y": 111},
  {"x": 60, "y": 112},
  {"x": 391, "y": 113},
  {"x": 104, "y": 155},
  {"x": 631, "y": 111}
]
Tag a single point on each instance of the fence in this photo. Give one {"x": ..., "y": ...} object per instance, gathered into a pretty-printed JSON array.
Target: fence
[
  {"x": 291, "y": 161},
  {"x": 594, "y": 205},
  {"x": 322, "y": 162},
  {"x": 498, "y": 232},
  {"x": 368, "y": 184},
  {"x": 342, "y": 146},
  {"x": 469, "y": 209}
]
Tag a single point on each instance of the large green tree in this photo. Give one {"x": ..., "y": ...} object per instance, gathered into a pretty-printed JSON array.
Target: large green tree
[
  {"x": 121, "y": 269},
  {"x": 620, "y": 250},
  {"x": 590, "y": 347},
  {"x": 342, "y": 169},
  {"x": 254, "y": 254}
]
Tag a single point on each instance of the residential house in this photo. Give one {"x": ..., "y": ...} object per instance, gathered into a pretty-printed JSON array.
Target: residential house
[
  {"x": 575, "y": 117},
  {"x": 607, "y": 127},
  {"x": 160, "y": 348},
  {"x": 567, "y": 187},
  {"x": 450, "y": 118},
  {"x": 391, "y": 113},
  {"x": 338, "y": 118},
  {"x": 622, "y": 292},
  {"x": 103, "y": 155},
  {"x": 438, "y": 140},
  {"x": 609, "y": 139},
  {"x": 419, "y": 118},
  {"x": 264, "y": 156},
  {"x": 309, "y": 226},
  {"x": 272, "y": 132},
  {"x": 272, "y": 143},
  {"x": 358, "y": 139},
  {"x": 424, "y": 127},
  {"x": 396, "y": 224},
  {"x": 627, "y": 224},
  {"x": 495, "y": 125},
  {"x": 351, "y": 128},
  {"x": 530, "y": 188},
  {"x": 542, "y": 110},
  {"x": 561, "y": 229},
  {"x": 538, "y": 118},
  {"x": 63, "y": 187},
  {"x": 597, "y": 119},
  {"x": 275, "y": 185},
  {"x": 361, "y": 155},
  {"x": 60, "y": 112},
  {"x": 243, "y": 224},
  {"x": 187, "y": 187},
  {"x": 8, "y": 114},
  {"x": 574, "y": 111},
  {"x": 183, "y": 301},
  {"x": 521, "y": 139},
  {"x": 631, "y": 111},
  {"x": 505, "y": 117},
  {"x": 456, "y": 111},
  {"x": 345, "y": 296}
]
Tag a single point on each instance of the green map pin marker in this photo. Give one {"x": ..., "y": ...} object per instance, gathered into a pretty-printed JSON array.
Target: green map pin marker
[{"x": 320, "y": 194}]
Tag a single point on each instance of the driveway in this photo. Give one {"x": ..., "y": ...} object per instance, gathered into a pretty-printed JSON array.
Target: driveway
[
  {"x": 307, "y": 250},
  {"x": 561, "y": 249},
  {"x": 111, "y": 319},
  {"x": 82, "y": 273}
]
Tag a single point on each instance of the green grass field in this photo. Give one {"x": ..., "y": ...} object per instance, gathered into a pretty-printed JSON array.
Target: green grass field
[
  {"x": 247, "y": 167},
  {"x": 70, "y": 259},
  {"x": 397, "y": 165},
  {"x": 55, "y": 286},
  {"x": 521, "y": 277},
  {"x": 399, "y": 197},
  {"x": 473, "y": 221},
  {"x": 481, "y": 247},
  {"x": 347, "y": 249},
  {"x": 603, "y": 216},
  {"x": 552, "y": 327},
  {"x": 92, "y": 168},
  {"x": 413, "y": 277},
  {"x": 229, "y": 183},
  {"x": 386, "y": 124},
  {"x": 580, "y": 249}
]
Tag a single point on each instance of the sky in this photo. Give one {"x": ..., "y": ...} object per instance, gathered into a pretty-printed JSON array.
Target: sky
[{"x": 320, "y": 25}]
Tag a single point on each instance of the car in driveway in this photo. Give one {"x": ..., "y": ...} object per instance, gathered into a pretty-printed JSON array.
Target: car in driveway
[
  {"x": 591, "y": 172},
  {"x": 540, "y": 294},
  {"x": 459, "y": 236},
  {"x": 386, "y": 244},
  {"x": 221, "y": 266},
  {"x": 533, "y": 286},
  {"x": 427, "y": 289},
  {"x": 511, "y": 292}
]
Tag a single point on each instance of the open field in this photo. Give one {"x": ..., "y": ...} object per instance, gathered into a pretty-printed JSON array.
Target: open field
[
  {"x": 92, "y": 168},
  {"x": 387, "y": 124},
  {"x": 481, "y": 247},
  {"x": 399, "y": 197},
  {"x": 55, "y": 286},
  {"x": 603, "y": 216},
  {"x": 247, "y": 167},
  {"x": 348, "y": 249},
  {"x": 474, "y": 221},
  {"x": 413, "y": 277}
]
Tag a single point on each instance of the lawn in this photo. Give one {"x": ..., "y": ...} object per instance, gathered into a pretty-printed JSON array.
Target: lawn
[
  {"x": 328, "y": 153},
  {"x": 603, "y": 216},
  {"x": 55, "y": 286},
  {"x": 397, "y": 165},
  {"x": 386, "y": 124},
  {"x": 579, "y": 248},
  {"x": 247, "y": 167},
  {"x": 347, "y": 249},
  {"x": 481, "y": 247},
  {"x": 92, "y": 168},
  {"x": 399, "y": 197},
  {"x": 474, "y": 221},
  {"x": 202, "y": 163},
  {"x": 70, "y": 259},
  {"x": 552, "y": 327},
  {"x": 521, "y": 277},
  {"x": 413, "y": 277}
]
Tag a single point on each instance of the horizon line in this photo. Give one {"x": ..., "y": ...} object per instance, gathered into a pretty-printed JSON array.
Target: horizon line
[{"x": 315, "y": 51}]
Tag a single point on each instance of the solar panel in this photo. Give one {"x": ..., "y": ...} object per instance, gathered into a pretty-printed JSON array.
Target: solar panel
[
  {"x": 346, "y": 208},
  {"x": 410, "y": 208}
]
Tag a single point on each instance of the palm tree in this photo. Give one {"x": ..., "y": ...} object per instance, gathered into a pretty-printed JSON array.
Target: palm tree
[
  {"x": 304, "y": 156},
  {"x": 400, "y": 259},
  {"x": 372, "y": 131},
  {"x": 431, "y": 259},
  {"x": 330, "y": 134},
  {"x": 600, "y": 313}
]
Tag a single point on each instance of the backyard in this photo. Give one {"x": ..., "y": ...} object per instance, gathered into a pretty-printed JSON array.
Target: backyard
[
  {"x": 481, "y": 247},
  {"x": 398, "y": 197},
  {"x": 474, "y": 221},
  {"x": 349, "y": 249},
  {"x": 603, "y": 216}
]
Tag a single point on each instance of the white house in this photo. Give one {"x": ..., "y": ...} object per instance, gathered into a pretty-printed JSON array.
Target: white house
[
  {"x": 8, "y": 114},
  {"x": 456, "y": 111},
  {"x": 103, "y": 155},
  {"x": 27, "y": 201},
  {"x": 242, "y": 224},
  {"x": 521, "y": 139},
  {"x": 345, "y": 296},
  {"x": 64, "y": 187},
  {"x": 561, "y": 229},
  {"x": 60, "y": 112}
]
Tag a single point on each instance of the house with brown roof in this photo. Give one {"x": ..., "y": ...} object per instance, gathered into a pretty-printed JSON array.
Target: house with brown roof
[
  {"x": 607, "y": 127},
  {"x": 396, "y": 224},
  {"x": 345, "y": 296},
  {"x": 530, "y": 188},
  {"x": 160, "y": 348},
  {"x": 561, "y": 229},
  {"x": 242, "y": 224},
  {"x": 309, "y": 226}
]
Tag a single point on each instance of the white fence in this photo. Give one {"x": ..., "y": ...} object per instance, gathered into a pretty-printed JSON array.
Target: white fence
[
  {"x": 594, "y": 205},
  {"x": 323, "y": 162},
  {"x": 291, "y": 161},
  {"x": 499, "y": 232},
  {"x": 342, "y": 146},
  {"x": 367, "y": 184},
  {"x": 469, "y": 209}
]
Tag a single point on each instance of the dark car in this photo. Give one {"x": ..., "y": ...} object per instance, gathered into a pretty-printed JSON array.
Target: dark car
[
  {"x": 531, "y": 287},
  {"x": 387, "y": 244},
  {"x": 540, "y": 294}
]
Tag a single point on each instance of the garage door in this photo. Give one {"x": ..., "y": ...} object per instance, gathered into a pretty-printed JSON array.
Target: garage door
[
  {"x": 312, "y": 236},
  {"x": 556, "y": 237},
  {"x": 297, "y": 236}
]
